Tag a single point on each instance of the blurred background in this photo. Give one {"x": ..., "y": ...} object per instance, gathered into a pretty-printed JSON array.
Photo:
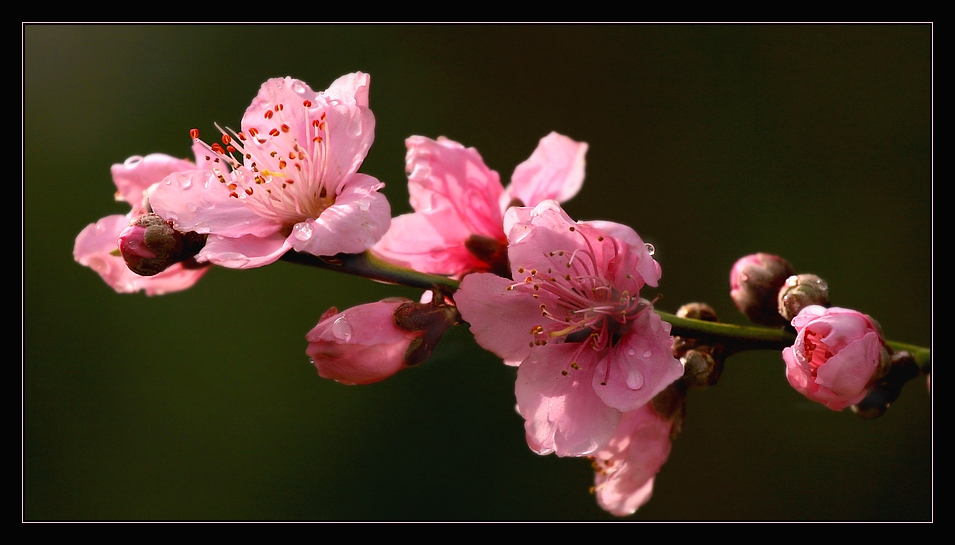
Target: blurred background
[{"x": 812, "y": 142}]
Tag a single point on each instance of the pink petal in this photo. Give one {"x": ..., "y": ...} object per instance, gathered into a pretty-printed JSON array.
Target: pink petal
[
  {"x": 562, "y": 412},
  {"x": 245, "y": 252},
  {"x": 197, "y": 201},
  {"x": 554, "y": 171},
  {"x": 501, "y": 320},
  {"x": 414, "y": 242},
  {"x": 360, "y": 216},
  {"x": 134, "y": 176},
  {"x": 640, "y": 366}
]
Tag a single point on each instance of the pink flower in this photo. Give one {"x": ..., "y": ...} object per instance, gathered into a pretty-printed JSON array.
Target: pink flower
[
  {"x": 97, "y": 248},
  {"x": 588, "y": 347},
  {"x": 459, "y": 203},
  {"x": 624, "y": 470},
  {"x": 288, "y": 180},
  {"x": 360, "y": 345},
  {"x": 838, "y": 354}
]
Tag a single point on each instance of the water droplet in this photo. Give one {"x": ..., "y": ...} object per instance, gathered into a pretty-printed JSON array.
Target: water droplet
[
  {"x": 191, "y": 207},
  {"x": 298, "y": 87},
  {"x": 341, "y": 329},
  {"x": 186, "y": 183},
  {"x": 631, "y": 351},
  {"x": 647, "y": 353},
  {"x": 302, "y": 231},
  {"x": 635, "y": 379},
  {"x": 650, "y": 248},
  {"x": 203, "y": 228},
  {"x": 206, "y": 204},
  {"x": 172, "y": 217},
  {"x": 133, "y": 161}
]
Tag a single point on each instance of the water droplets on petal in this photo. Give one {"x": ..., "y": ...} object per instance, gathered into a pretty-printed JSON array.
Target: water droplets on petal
[
  {"x": 635, "y": 379},
  {"x": 132, "y": 161},
  {"x": 650, "y": 248},
  {"x": 203, "y": 228},
  {"x": 341, "y": 329},
  {"x": 647, "y": 353},
  {"x": 302, "y": 231}
]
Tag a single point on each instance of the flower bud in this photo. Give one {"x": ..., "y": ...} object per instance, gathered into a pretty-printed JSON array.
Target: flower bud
[
  {"x": 837, "y": 357},
  {"x": 150, "y": 245},
  {"x": 755, "y": 281},
  {"x": 372, "y": 342},
  {"x": 800, "y": 291}
]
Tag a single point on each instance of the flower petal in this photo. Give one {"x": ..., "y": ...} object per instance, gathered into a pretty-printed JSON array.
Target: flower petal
[
  {"x": 554, "y": 171},
  {"x": 360, "y": 216}
]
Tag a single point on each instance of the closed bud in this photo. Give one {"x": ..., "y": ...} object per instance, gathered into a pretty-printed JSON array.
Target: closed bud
[
  {"x": 755, "y": 281},
  {"x": 150, "y": 245},
  {"x": 800, "y": 291}
]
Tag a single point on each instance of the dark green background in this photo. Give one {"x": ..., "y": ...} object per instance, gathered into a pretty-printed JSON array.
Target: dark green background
[{"x": 813, "y": 142}]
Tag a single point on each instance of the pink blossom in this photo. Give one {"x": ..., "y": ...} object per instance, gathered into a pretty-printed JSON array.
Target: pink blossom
[
  {"x": 97, "y": 248},
  {"x": 588, "y": 347},
  {"x": 288, "y": 180},
  {"x": 837, "y": 356},
  {"x": 459, "y": 203},
  {"x": 624, "y": 470}
]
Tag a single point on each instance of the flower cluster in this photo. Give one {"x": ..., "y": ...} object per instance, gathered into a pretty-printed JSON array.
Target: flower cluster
[{"x": 598, "y": 373}]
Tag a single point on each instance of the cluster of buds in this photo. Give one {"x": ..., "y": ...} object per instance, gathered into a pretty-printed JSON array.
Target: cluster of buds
[{"x": 840, "y": 357}]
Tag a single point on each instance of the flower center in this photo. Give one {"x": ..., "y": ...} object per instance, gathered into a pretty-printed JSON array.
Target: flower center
[
  {"x": 816, "y": 351},
  {"x": 579, "y": 301},
  {"x": 278, "y": 168}
]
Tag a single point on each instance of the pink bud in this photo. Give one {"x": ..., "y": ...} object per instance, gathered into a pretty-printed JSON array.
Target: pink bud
[
  {"x": 755, "y": 281},
  {"x": 371, "y": 342},
  {"x": 838, "y": 355}
]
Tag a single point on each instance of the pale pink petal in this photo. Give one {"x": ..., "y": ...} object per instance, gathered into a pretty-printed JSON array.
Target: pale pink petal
[
  {"x": 360, "y": 216},
  {"x": 625, "y": 469},
  {"x": 414, "y": 242},
  {"x": 554, "y": 171},
  {"x": 452, "y": 185},
  {"x": 640, "y": 366},
  {"x": 501, "y": 320},
  {"x": 197, "y": 201},
  {"x": 639, "y": 258},
  {"x": 562, "y": 412},
  {"x": 245, "y": 252},
  {"x": 134, "y": 176}
]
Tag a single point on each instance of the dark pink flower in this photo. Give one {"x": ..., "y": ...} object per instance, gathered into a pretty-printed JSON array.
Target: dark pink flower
[
  {"x": 288, "y": 180},
  {"x": 837, "y": 356},
  {"x": 459, "y": 203},
  {"x": 588, "y": 347},
  {"x": 97, "y": 245},
  {"x": 624, "y": 470}
]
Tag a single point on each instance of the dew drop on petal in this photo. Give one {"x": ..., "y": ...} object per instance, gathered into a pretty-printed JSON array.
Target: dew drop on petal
[
  {"x": 635, "y": 379},
  {"x": 133, "y": 161},
  {"x": 203, "y": 228},
  {"x": 298, "y": 87},
  {"x": 631, "y": 351},
  {"x": 647, "y": 353},
  {"x": 650, "y": 248},
  {"x": 191, "y": 207},
  {"x": 302, "y": 231},
  {"x": 341, "y": 329},
  {"x": 186, "y": 183}
]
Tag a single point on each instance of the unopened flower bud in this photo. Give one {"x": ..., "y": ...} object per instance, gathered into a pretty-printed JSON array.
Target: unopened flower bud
[
  {"x": 755, "y": 281},
  {"x": 372, "y": 342},
  {"x": 800, "y": 291},
  {"x": 150, "y": 245},
  {"x": 701, "y": 369},
  {"x": 838, "y": 357}
]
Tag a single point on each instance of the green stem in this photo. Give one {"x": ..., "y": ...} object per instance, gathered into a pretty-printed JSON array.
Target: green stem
[{"x": 735, "y": 337}]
